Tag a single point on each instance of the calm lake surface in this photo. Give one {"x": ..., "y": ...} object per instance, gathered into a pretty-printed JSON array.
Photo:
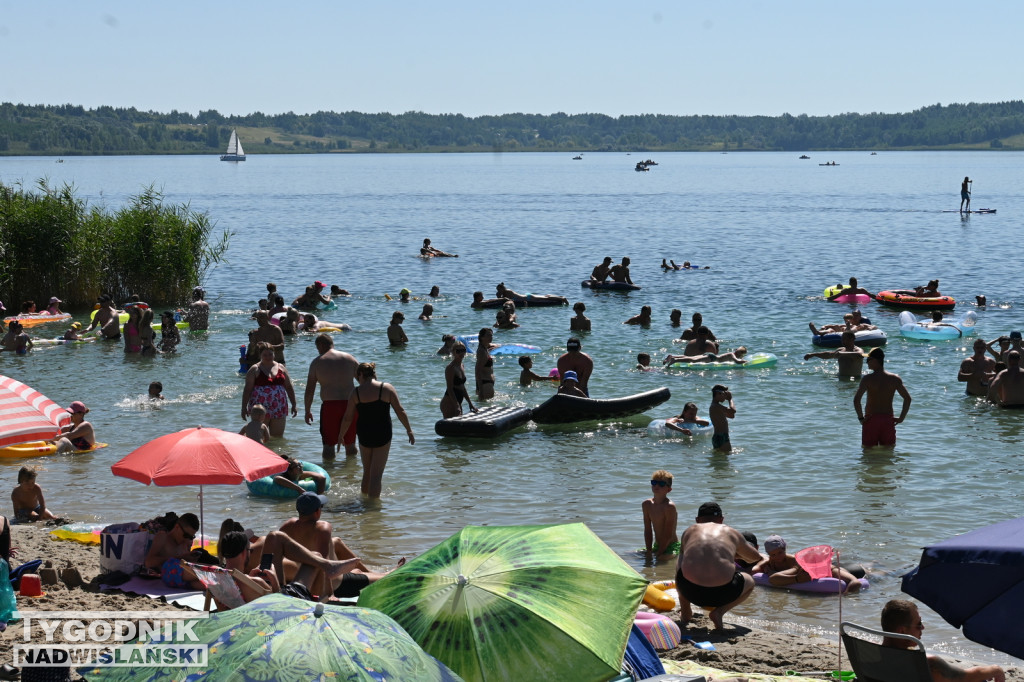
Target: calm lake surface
[{"x": 774, "y": 229}]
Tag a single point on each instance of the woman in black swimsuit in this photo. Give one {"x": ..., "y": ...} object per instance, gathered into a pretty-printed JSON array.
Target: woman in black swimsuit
[
  {"x": 484, "y": 372},
  {"x": 373, "y": 401},
  {"x": 455, "y": 382}
]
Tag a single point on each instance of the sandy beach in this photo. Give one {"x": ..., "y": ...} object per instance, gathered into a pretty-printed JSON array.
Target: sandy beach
[{"x": 744, "y": 648}]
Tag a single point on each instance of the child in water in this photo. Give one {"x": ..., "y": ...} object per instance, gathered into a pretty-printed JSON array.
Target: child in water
[
  {"x": 528, "y": 376},
  {"x": 170, "y": 337},
  {"x": 660, "y": 516},
  {"x": 156, "y": 391},
  {"x": 256, "y": 428},
  {"x": 29, "y": 504},
  {"x": 72, "y": 333},
  {"x": 643, "y": 362},
  {"x": 295, "y": 473}
]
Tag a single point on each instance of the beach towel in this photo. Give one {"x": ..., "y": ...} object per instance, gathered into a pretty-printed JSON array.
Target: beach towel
[
  {"x": 155, "y": 589},
  {"x": 641, "y": 660},
  {"x": 712, "y": 674}
]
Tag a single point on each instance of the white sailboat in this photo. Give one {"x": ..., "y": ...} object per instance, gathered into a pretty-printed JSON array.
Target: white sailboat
[{"x": 234, "y": 151}]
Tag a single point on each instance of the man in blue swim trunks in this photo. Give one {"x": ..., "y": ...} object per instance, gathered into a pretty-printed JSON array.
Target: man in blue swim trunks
[{"x": 706, "y": 572}]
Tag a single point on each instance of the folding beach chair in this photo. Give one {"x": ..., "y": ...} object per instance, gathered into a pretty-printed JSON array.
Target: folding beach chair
[
  {"x": 876, "y": 663},
  {"x": 221, "y": 586}
]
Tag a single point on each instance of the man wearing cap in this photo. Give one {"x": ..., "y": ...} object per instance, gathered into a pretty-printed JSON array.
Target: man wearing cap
[
  {"x": 106, "y": 319},
  {"x": 198, "y": 311},
  {"x": 313, "y": 533},
  {"x": 706, "y": 573},
  {"x": 396, "y": 335},
  {"x": 335, "y": 371},
  {"x": 1008, "y": 386},
  {"x": 575, "y": 360},
  {"x": 570, "y": 385},
  {"x": 878, "y": 426},
  {"x": 77, "y": 435},
  {"x": 784, "y": 569}
]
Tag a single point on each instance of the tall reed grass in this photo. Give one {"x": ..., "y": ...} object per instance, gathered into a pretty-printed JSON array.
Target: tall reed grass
[{"x": 53, "y": 244}]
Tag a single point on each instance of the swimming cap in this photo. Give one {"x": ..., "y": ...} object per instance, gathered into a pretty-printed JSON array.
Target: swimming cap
[
  {"x": 774, "y": 542},
  {"x": 569, "y": 376}
]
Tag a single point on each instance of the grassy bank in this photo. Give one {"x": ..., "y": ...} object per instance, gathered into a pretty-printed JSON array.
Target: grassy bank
[{"x": 53, "y": 244}]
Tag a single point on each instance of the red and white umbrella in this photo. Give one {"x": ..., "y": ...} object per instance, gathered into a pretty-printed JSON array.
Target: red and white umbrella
[
  {"x": 200, "y": 456},
  {"x": 26, "y": 414}
]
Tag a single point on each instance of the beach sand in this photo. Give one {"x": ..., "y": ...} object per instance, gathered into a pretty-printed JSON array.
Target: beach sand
[{"x": 744, "y": 648}]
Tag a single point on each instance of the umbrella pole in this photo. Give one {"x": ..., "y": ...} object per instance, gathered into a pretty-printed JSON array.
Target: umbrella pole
[
  {"x": 201, "y": 516},
  {"x": 839, "y": 564}
]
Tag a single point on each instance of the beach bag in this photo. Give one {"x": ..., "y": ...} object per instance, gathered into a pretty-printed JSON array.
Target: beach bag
[{"x": 123, "y": 548}]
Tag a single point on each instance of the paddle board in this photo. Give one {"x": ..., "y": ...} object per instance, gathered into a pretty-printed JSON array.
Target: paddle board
[{"x": 980, "y": 210}]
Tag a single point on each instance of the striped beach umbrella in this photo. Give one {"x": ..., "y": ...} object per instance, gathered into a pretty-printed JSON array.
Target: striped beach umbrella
[{"x": 26, "y": 414}]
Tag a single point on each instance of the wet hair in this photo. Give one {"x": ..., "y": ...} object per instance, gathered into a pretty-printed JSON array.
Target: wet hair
[
  {"x": 486, "y": 330},
  {"x": 232, "y": 544},
  {"x": 156, "y": 385},
  {"x": 525, "y": 360},
  {"x": 645, "y": 308},
  {"x": 676, "y": 312},
  {"x": 643, "y": 356},
  {"x": 478, "y": 295},
  {"x": 278, "y": 300},
  {"x": 271, "y": 288},
  {"x": 579, "y": 306},
  {"x": 703, "y": 330},
  {"x": 877, "y": 354},
  {"x": 897, "y": 613},
  {"x": 324, "y": 340},
  {"x": 26, "y": 474},
  {"x": 367, "y": 369},
  {"x": 689, "y": 406}
]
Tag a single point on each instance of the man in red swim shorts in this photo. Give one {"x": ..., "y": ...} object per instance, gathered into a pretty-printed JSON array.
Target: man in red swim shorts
[
  {"x": 335, "y": 372},
  {"x": 878, "y": 427}
]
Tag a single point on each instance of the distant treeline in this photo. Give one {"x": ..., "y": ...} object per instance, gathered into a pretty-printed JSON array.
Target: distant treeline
[{"x": 70, "y": 130}]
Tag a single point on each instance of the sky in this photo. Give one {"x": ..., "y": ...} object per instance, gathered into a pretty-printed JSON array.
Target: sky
[{"x": 477, "y": 58}]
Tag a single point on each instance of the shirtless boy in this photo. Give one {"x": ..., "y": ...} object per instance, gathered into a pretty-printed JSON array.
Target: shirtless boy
[
  {"x": 783, "y": 569},
  {"x": 706, "y": 573},
  {"x": 579, "y": 323},
  {"x": 29, "y": 504},
  {"x": 528, "y": 376},
  {"x": 878, "y": 426},
  {"x": 1008, "y": 385},
  {"x": 720, "y": 414},
  {"x": 335, "y": 371},
  {"x": 660, "y": 518},
  {"x": 850, "y": 356}
]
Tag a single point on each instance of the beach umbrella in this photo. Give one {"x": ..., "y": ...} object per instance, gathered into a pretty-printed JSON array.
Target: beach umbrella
[
  {"x": 26, "y": 414},
  {"x": 975, "y": 581},
  {"x": 516, "y": 603},
  {"x": 283, "y": 638},
  {"x": 200, "y": 457}
]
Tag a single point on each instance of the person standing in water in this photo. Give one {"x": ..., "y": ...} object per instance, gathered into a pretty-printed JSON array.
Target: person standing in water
[
  {"x": 878, "y": 425},
  {"x": 965, "y": 194}
]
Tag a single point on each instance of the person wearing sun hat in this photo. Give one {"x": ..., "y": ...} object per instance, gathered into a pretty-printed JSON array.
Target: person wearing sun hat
[
  {"x": 54, "y": 306},
  {"x": 77, "y": 435},
  {"x": 570, "y": 385}
]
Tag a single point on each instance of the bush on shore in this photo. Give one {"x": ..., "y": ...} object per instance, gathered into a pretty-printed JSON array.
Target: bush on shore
[{"x": 53, "y": 244}]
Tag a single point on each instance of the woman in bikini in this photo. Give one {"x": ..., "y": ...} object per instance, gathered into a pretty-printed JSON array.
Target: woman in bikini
[
  {"x": 373, "y": 401},
  {"x": 267, "y": 383},
  {"x": 484, "y": 372},
  {"x": 455, "y": 382}
]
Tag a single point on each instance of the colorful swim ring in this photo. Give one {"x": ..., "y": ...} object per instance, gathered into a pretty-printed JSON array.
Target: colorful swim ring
[
  {"x": 846, "y": 298},
  {"x": 658, "y": 599},
  {"x": 866, "y": 338},
  {"x": 659, "y": 428},
  {"x": 825, "y": 585},
  {"x": 41, "y": 318},
  {"x": 265, "y": 487},
  {"x": 754, "y": 361},
  {"x": 913, "y": 328},
  {"x": 661, "y": 631},
  {"x": 907, "y": 298},
  {"x": 85, "y": 533}
]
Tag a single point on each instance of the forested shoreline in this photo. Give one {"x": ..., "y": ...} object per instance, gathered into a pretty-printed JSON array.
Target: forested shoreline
[{"x": 68, "y": 130}]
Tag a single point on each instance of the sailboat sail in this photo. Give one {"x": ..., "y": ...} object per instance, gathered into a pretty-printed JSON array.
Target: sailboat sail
[{"x": 234, "y": 151}]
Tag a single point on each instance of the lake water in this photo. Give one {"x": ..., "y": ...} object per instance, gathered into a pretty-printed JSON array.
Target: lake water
[{"x": 774, "y": 229}]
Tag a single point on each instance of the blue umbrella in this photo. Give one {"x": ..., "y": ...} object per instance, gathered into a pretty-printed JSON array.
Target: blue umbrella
[{"x": 976, "y": 581}]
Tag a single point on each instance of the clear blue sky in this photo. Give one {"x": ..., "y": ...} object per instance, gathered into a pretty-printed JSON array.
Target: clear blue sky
[{"x": 729, "y": 57}]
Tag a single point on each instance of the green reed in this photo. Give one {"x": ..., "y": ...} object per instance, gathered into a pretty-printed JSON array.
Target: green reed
[{"x": 53, "y": 244}]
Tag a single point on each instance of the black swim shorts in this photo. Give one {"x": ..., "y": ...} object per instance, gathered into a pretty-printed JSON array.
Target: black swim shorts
[{"x": 710, "y": 596}]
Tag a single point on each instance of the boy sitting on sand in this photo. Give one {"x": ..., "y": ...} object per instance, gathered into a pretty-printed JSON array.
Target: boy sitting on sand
[
  {"x": 29, "y": 504},
  {"x": 660, "y": 537},
  {"x": 256, "y": 428}
]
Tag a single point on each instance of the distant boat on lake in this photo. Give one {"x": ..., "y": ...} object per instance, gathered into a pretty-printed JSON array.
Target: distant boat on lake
[{"x": 234, "y": 151}]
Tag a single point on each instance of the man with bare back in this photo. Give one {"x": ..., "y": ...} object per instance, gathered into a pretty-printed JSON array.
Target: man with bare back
[
  {"x": 335, "y": 371},
  {"x": 878, "y": 426}
]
